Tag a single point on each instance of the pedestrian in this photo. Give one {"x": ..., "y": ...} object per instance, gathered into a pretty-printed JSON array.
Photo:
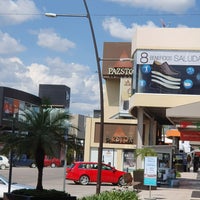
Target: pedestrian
[{"x": 188, "y": 162}]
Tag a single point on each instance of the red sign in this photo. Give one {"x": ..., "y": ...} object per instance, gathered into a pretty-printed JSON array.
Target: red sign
[{"x": 190, "y": 135}]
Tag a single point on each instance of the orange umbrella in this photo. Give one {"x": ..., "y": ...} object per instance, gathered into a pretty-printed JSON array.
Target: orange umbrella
[{"x": 173, "y": 133}]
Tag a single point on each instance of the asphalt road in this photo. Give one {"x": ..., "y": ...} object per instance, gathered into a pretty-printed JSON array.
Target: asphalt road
[{"x": 52, "y": 179}]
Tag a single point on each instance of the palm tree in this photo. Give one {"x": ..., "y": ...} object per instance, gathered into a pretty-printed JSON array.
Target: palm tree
[
  {"x": 145, "y": 151},
  {"x": 39, "y": 133}
]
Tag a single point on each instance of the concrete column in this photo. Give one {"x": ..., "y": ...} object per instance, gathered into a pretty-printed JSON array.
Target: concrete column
[
  {"x": 88, "y": 134},
  {"x": 151, "y": 135},
  {"x": 139, "y": 135}
]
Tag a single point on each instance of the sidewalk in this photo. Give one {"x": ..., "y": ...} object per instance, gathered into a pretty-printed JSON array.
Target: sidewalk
[{"x": 189, "y": 189}]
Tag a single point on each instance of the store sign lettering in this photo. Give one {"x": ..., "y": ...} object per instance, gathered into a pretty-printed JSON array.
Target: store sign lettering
[
  {"x": 120, "y": 140},
  {"x": 120, "y": 71},
  {"x": 172, "y": 57}
]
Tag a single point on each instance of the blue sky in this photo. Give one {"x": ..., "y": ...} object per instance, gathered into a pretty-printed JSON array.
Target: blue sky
[{"x": 35, "y": 49}]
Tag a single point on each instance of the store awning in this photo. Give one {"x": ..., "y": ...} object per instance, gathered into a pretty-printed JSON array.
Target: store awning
[{"x": 172, "y": 133}]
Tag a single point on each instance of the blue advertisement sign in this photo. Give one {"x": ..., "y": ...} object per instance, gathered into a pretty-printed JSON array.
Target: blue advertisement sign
[
  {"x": 167, "y": 72},
  {"x": 150, "y": 171}
]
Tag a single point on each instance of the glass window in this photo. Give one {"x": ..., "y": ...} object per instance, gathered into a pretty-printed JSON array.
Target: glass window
[{"x": 105, "y": 167}]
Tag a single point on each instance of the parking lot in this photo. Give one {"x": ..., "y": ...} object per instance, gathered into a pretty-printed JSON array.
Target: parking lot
[{"x": 53, "y": 178}]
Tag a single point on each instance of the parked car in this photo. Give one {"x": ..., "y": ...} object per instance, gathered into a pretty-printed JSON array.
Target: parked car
[
  {"x": 86, "y": 172},
  {"x": 52, "y": 162},
  {"x": 23, "y": 161},
  {"x": 4, "y": 162},
  {"x": 14, "y": 186}
]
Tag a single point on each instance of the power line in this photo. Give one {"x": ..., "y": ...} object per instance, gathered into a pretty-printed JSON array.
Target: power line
[
  {"x": 145, "y": 14},
  {"x": 112, "y": 14}
]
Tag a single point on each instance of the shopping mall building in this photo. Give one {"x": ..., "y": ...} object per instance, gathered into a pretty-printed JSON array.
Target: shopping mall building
[
  {"x": 14, "y": 102},
  {"x": 158, "y": 87}
]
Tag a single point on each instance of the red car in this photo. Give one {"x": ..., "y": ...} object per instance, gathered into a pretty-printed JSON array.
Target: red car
[
  {"x": 85, "y": 172},
  {"x": 51, "y": 162}
]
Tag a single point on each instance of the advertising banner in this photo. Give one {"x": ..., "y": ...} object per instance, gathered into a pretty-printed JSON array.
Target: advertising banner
[
  {"x": 108, "y": 156},
  {"x": 167, "y": 72},
  {"x": 129, "y": 163},
  {"x": 125, "y": 94},
  {"x": 150, "y": 171},
  {"x": 11, "y": 107}
]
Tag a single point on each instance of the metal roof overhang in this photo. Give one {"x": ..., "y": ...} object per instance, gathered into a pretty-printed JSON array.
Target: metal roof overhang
[
  {"x": 185, "y": 113},
  {"x": 187, "y": 120}
]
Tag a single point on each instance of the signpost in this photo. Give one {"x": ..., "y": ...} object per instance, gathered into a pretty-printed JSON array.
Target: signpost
[{"x": 150, "y": 172}]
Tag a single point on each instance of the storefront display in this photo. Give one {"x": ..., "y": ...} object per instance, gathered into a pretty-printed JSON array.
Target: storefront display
[{"x": 180, "y": 162}]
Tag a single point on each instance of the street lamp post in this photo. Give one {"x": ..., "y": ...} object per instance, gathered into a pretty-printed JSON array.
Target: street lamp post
[
  {"x": 100, "y": 148},
  {"x": 65, "y": 159},
  {"x": 11, "y": 158}
]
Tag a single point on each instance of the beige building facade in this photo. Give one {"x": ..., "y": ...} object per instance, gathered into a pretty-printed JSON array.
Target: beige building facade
[
  {"x": 165, "y": 74},
  {"x": 120, "y": 127}
]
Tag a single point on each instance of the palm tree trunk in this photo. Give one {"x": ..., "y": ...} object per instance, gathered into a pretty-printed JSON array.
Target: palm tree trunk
[
  {"x": 39, "y": 180},
  {"x": 39, "y": 158}
]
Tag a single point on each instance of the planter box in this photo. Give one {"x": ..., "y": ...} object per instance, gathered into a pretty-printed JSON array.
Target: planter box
[
  {"x": 128, "y": 178},
  {"x": 10, "y": 196},
  {"x": 71, "y": 198}
]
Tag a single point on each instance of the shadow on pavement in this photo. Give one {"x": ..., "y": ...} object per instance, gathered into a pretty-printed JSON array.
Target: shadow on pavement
[{"x": 186, "y": 183}]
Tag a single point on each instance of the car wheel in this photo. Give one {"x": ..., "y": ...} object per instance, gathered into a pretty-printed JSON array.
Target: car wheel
[
  {"x": 33, "y": 165},
  {"x": 3, "y": 167},
  {"x": 84, "y": 180},
  {"x": 53, "y": 165},
  {"x": 121, "y": 181}
]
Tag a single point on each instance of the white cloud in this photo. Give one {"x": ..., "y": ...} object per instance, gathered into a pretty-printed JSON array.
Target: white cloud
[
  {"x": 78, "y": 77},
  {"x": 9, "y": 45},
  {"x": 18, "y": 11},
  {"x": 10, "y": 74},
  {"x": 49, "y": 39},
  {"x": 84, "y": 85},
  {"x": 117, "y": 29},
  {"x": 182, "y": 26},
  {"x": 86, "y": 108},
  {"x": 171, "y": 6}
]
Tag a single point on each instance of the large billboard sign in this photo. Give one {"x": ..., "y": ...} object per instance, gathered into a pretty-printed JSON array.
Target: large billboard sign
[
  {"x": 167, "y": 72},
  {"x": 57, "y": 95}
]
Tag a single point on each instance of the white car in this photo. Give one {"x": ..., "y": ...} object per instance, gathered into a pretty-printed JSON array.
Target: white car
[
  {"x": 4, "y": 162},
  {"x": 14, "y": 186}
]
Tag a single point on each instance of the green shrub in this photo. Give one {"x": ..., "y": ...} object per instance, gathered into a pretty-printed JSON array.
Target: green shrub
[
  {"x": 113, "y": 195},
  {"x": 178, "y": 174}
]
